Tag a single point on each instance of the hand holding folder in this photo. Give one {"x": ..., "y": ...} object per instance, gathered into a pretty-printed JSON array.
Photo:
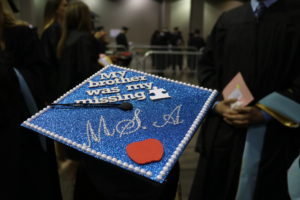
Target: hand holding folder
[
  {"x": 239, "y": 96},
  {"x": 237, "y": 89},
  {"x": 281, "y": 108}
]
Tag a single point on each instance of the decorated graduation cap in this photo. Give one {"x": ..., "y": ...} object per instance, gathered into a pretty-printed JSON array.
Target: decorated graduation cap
[{"x": 137, "y": 121}]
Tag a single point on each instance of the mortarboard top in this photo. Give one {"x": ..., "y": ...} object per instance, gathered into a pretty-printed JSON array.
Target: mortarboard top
[{"x": 147, "y": 139}]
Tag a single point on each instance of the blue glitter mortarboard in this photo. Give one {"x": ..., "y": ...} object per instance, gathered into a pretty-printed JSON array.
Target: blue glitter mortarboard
[{"x": 162, "y": 109}]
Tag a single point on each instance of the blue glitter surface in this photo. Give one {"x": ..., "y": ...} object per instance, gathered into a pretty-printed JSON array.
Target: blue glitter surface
[{"x": 110, "y": 130}]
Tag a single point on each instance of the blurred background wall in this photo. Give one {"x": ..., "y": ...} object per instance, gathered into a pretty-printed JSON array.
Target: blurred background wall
[{"x": 142, "y": 17}]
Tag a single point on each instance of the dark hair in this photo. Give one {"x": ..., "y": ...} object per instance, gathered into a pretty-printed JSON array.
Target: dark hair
[
  {"x": 99, "y": 28},
  {"x": 7, "y": 20},
  {"x": 125, "y": 28},
  {"x": 50, "y": 12},
  {"x": 78, "y": 18}
]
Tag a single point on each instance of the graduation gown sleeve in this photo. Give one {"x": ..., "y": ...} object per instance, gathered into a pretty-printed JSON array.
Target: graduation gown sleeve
[{"x": 207, "y": 70}]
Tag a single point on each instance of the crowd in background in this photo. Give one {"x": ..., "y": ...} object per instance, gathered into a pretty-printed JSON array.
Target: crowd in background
[{"x": 172, "y": 41}]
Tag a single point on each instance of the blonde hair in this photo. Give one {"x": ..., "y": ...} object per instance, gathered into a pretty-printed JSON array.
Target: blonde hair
[
  {"x": 7, "y": 19},
  {"x": 78, "y": 18}
]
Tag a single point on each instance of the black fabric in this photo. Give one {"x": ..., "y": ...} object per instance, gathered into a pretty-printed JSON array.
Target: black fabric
[
  {"x": 29, "y": 172},
  {"x": 176, "y": 41},
  {"x": 98, "y": 180},
  {"x": 102, "y": 45},
  {"x": 196, "y": 41},
  {"x": 267, "y": 53},
  {"x": 121, "y": 39},
  {"x": 78, "y": 61},
  {"x": 24, "y": 52},
  {"x": 160, "y": 61},
  {"x": 50, "y": 39},
  {"x": 260, "y": 9}
]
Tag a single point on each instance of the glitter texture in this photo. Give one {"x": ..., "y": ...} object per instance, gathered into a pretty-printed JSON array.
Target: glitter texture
[{"x": 105, "y": 132}]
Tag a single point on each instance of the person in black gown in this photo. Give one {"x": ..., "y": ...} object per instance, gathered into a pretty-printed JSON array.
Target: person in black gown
[
  {"x": 176, "y": 40},
  {"x": 29, "y": 170},
  {"x": 196, "y": 40},
  {"x": 101, "y": 35},
  {"x": 266, "y": 50},
  {"x": 162, "y": 40},
  {"x": 50, "y": 34},
  {"x": 121, "y": 39},
  {"x": 78, "y": 50},
  {"x": 124, "y": 56}
]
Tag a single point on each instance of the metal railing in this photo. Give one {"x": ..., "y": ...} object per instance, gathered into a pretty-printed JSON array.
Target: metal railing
[
  {"x": 159, "y": 61},
  {"x": 145, "y": 48},
  {"x": 139, "y": 51},
  {"x": 154, "y": 58},
  {"x": 115, "y": 47}
]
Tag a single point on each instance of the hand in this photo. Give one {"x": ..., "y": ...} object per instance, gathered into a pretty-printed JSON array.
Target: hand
[
  {"x": 244, "y": 116},
  {"x": 225, "y": 106}
]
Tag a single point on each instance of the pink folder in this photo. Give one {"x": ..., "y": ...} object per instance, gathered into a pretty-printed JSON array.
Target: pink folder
[{"x": 237, "y": 89}]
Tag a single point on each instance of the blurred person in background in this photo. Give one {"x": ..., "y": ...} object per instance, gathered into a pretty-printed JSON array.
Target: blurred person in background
[
  {"x": 54, "y": 13},
  {"x": 29, "y": 161},
  {"x": 177, "y": 43},
  {"x": 196, "y": 42},
  {"x": 78, "y": 49},
  {"x": 121, "y": 39},
  {"x": 101, "y": 36}
]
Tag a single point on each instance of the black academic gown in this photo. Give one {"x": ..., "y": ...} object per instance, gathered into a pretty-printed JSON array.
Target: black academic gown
[
  {"x": 121, "y": 39},
  {"x": 267, "y": 53},
  {"x": 24, "y": 52},
  {"x": 50, "y": 39},
  {"x": 78, "y": 61},
  {"x": 29, "y": 172},
  {"x": 99, "y": 180}
]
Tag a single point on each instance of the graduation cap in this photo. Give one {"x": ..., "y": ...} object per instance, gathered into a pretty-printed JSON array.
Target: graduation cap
[{"x": 137, "y": 121}]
